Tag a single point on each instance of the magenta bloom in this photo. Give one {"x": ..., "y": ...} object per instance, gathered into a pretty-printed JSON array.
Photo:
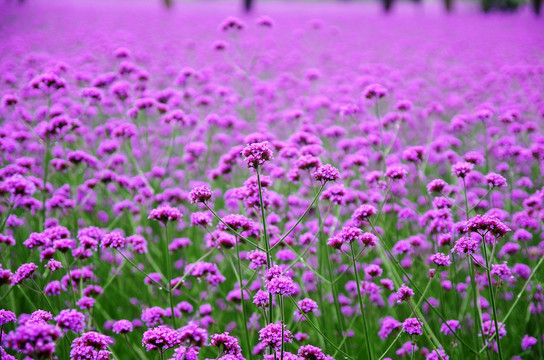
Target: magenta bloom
[
  {"x": 412, "y": 326},
  {"x": 257, "y": 154},
  {"x": 270, "y": 335},
  {"x": 404, "y": 293},
  {"x": 374, "y": 91},
  {"x": 363, "y": 213},
  {"x": 326, "y": 173},
  {"x": 122, "y": 327},
  {"x": 91, "y": 345},
  {"x": 165, "y": 213},
  {"x": 461, "y": 169},
  {"x": 441, "y": 259},
  {"x": 200, "y": 194}
]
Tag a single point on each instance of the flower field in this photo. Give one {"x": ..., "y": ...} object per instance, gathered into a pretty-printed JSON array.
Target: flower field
[{"x": 309, "y": 182}]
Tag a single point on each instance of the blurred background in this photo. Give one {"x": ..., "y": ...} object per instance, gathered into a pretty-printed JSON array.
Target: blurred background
[{"x": 485, "y": 6}]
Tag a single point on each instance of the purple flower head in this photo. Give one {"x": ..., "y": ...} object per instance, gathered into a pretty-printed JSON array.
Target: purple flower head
[
  {"x": 232, "y": 23},
  {"x": 404, "y": 293},
  {"x": 348, "y": 234},
  {"x": 363, "y": 214},
  {"x": 24, "y": 272},
  {"x": 227, "y": 343},
  {"x": 412, "y": 326},
  {"x": 326, "y": 173},
  {"x": 71, "y": 320},
  {"x": 122, "y": 327},
  {"x": 192, "y": 334},
  {"x": 374, "y": 91},
  {"x": 462, "y": 169},
  {"x": 495, "y": 180},
  {"x": 36, "y": 340},
  {"x": 387, "y": 326},
  {"x": 113, "y": 240},
  {"x": 6, "y": 316},
  {"x": 436, "y": 186},
  {"x": 257, "y": 154},
  {"x": 165, "y": 213},
  {"x": 452, "y": 325},
  {"x": 91, "y": 345},
  {"x": 441, "y": 259},
  {"x": 528, "y": 342},
  {"x": 270, "y": 335},
  {"x": 396, "y": 172},
  {"x": 466, "y": 245},
  {"x": 200, "y": 194},
  {"x": 485, "y": 224},
  {"x": 160, "y": 338}
]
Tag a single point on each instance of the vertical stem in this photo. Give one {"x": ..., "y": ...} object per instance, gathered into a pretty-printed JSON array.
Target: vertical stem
[
  {"x": 492, "y": 296},
  {"x": 70, "y": 277},
  {"x": 361, "y": 306},
  {"x": 242, "y": 301},
  {"x": 169, "y": 274},
  {"x": 472, "y": 279},
  {"x": 382, "y": 145},
  {"x": 282, "y": 326},
  {"x": 267, "y": 246},
  {"x": 45, "y": 176}
]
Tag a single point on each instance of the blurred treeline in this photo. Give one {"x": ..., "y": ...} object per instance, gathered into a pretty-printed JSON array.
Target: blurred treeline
[{"x": 485, "y": 5}]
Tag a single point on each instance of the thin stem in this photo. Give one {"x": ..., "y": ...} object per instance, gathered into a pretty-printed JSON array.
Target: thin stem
[
  {"x": 267, "y": 248},
  {"x": 316, "y": 328},
  {"x": 130, "y": 346},
  {"x": 169, "y": 274},
  {"x": 282, "y": 326},
  {"x": 475, "y": 306},
  {"x": 492, "y": 295},
  {"x": 71, "y": 280},
  {"x": 242, "y": 301},
  {"x": 361, "y": 306}
]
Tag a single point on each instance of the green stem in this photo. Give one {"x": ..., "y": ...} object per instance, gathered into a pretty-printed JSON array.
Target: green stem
[
  {"x": 492, "y": 295},
  {"x": 361, "y": 306},
  {"x": 169, "y": 274}
]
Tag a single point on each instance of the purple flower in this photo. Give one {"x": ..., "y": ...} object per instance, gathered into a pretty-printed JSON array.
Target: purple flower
[
  {"x": 257, "y": 154},
  {"x": 165, "y": 213},
  {"x": 462, "y": 169},
  {"x": 200, "y": 194},
  {"x": 6, "y": 316},
  {"x": 453, "y": 324},
  {"x": 71, "y": 320},
  {"x": 374, "y": 91},
  {"x": 363, "y": 214},
  {"x": 465, "y": 245},
  {"x": 36, "y": 340},
  {"x": 441, "y": 259},
  {"x": 160, "y": 338},
  {"x": 228, "y": 344},
  {"x": 270, "y": 335},
  {"x": 91, "y": 345},
  {"x": 388, "y": 325},
  {"x": 412, "y": 326},
  {"x": 24, "y": 272},
  {"x": 404, "y": 293},
  {"x": 310, "y": 352},
  {"x": 495, "y": 180},
  {"x": 326, "y": 173},
  {"x": 528, "y": 342}
]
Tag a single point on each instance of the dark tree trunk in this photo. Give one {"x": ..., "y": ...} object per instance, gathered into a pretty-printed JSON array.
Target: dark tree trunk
[
  {"x": 449, "y": 5},
  {"x": 537, "y": 5},
  {"x": 168, "y": 3},
  {"x": 248, "y": 5},
  {"x": 387, "y": 5}
]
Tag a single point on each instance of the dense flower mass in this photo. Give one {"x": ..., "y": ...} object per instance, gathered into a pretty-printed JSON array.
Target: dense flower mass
[{"x": 182, "y": 184}]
